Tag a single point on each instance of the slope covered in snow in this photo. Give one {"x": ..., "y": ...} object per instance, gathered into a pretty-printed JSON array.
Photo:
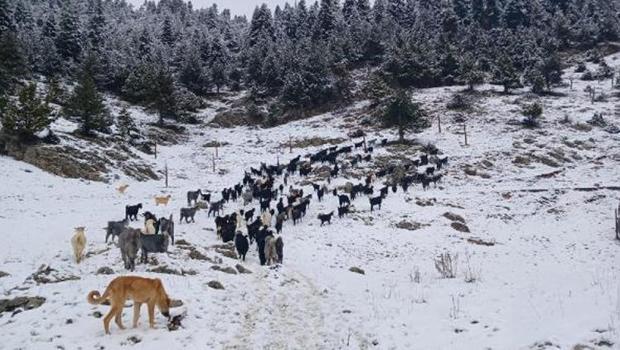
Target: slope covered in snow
[{"x": 541, "y": 202}]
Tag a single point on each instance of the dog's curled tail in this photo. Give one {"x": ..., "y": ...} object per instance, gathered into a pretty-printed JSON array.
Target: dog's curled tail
[{"x": 95, "y": 298}]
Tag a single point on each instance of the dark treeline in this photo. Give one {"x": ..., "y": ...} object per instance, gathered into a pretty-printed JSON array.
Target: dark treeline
[{"x": 167, "y": 54}]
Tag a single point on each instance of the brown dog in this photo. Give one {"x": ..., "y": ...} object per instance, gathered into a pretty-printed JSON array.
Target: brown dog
[
  {"x": 122, "y": 188},
  {"x": 162, "y": 200},
  {"x": 141, "y": 290}
]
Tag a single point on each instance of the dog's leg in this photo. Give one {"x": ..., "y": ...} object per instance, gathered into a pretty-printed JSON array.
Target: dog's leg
[
  {"x": 119, "y": 318},
  {"x": 151, "y": 307},
  {"x": 136, "y": 313},
  {"x": 108, "y": 318}
]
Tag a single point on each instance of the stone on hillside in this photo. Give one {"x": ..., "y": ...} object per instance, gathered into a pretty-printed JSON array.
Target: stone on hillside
[
  {"x": 454, "y": 217},
  {"x": 105, "y": 271},
  {"x": 357, "y": 270},
  {"x": 242, "y": 269},
  {"x": 215, "y": 285},
  {"x": 459, "y": 226}
]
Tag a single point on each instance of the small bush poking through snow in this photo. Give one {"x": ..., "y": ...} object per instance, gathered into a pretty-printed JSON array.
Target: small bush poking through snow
[
  {"x": 446, "y": 265},
  {"x": 458, "y": 102},
  {"x": 532, "y": 114}
]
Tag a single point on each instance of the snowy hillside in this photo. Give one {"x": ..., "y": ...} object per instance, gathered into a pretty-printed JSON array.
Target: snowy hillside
[{"x": 538, "y": 268}]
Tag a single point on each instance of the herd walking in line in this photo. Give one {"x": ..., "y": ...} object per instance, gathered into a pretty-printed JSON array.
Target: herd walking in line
[{"x": 265, "y": 201}]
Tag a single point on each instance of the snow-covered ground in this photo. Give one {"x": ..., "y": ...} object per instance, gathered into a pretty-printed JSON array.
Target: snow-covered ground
[{"x": 551, "y": 279}]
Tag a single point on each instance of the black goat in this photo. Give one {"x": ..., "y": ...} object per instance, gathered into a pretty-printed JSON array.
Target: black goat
[
  {"x": 188, "y": 214},
  {"x": 131, "y": 211},
  {"x": 192, "y": 196},
  {"x": 375, "y": 201},
  {"x": 326, "y": 218},
  {"x": 343, "y": 199}
]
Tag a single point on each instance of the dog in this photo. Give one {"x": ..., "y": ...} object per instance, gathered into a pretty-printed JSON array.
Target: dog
[
  {"x": 122, "y": 188},
  {"x": 129, "y": 244},
  {"x": 140, "y": 290},
  {"x": 115, "y": 228},
  {"x": 78, "y": 242},
  {"x": 162, "y": 200}
]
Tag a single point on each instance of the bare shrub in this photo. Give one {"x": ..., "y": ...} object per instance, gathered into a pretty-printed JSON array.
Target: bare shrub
[
  {"x": 446, "y": 265},
  {"x": 471, "y": 275},
  {"x": 415, "y": 276}
]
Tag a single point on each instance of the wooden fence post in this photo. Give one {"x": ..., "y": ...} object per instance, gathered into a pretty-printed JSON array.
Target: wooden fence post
[
  {"x": 439, "y": 123},
  {"x": 217, "y": 143},
  {"x": 166, "y": 173},
  {"x": 155, "y": 147},
  {"x": 465, "y": 133},
  {"x": 290, "y": 144},
  {"x": 617, "y": 216},
  {"x": 213, "y": 160}
]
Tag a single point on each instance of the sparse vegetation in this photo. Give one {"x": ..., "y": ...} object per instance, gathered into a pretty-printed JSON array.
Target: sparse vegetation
[
  {"x": 446, "y": 264},
  {"x": 532, "y": 114},
  {"x": 459, "y": 102}
]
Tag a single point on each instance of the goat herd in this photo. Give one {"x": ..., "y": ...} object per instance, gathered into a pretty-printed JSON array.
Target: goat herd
[{"x": 267, "y": 185}]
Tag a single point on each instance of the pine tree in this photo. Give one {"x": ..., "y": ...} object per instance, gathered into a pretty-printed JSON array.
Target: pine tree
[
  {"x": 378, "y": 12},
  {"x": 96, "y": 27},
  {"x": 515, "y": 14},
  {"x": 125, "y": 123},
  {"x": 347, "y": 10},
  {"x": 491, "y": 14},
  {"x": 461, "y": 8},
  {"x": 23, "y": 16},
  {"x": 377, "y": 89},
  {"x": 28, "y": 116},
  {"x": 68, "y": 40},
  {"x": 86, "y": 105},
  {"x": 191, "y": 73},
  {"x": 219, "y": 76},
  {"x": 161, "y": 93},
  {"x": 167, "y": 34},
  {"x": 261, "y": 28},
  {"x": 144, "y": 44},
  {"x": 326, "y": 21},
  {"x": 470, "y": 72},
  {"x": 51, "y": 62},
  {"x": 6, "y": 17},
  {"x": 403, "y": 114},
  {"x": 364, "y": 9},
  {"x": 12, "y": 61},
  {"x": 50, "y": 29},
  {"x": 476, "y": 11},
  {"x": 505, "y": 73},
  {"x": 449, "y": 22},
  {"x": 396, "y": 9}
]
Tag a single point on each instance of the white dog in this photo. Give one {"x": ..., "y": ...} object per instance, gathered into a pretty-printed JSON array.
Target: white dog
[{"x": 78, "y": 241}]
